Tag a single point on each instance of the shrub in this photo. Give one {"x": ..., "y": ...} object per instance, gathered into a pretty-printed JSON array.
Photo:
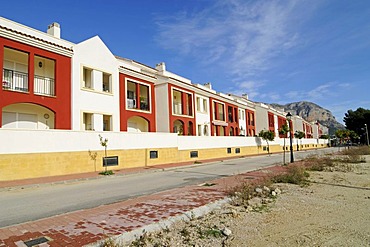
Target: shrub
[
  {"x": 296, "y": 174},
  {"x": 363, "y": 150}
]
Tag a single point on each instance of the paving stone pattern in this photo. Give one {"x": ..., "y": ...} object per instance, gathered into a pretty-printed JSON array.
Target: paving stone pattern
[{"x": 91, "y": 225}]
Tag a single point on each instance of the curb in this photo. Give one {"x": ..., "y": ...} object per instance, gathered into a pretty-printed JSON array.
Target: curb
[{"x": 128, "y": 237}]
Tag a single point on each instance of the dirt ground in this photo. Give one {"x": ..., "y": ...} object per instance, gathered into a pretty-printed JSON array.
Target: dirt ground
[{"x": 334, "y": 210}]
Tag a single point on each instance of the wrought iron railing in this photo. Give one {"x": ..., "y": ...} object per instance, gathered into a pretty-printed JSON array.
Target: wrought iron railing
[
  {"x": 15, "y": 80},
  {"x": 44, "y": 85}
]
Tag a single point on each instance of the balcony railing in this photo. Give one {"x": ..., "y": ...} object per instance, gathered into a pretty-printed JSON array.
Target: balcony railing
[
  {"x": 177, "y": 108},
  {"x": 44, "y": 85},
  {"x": 15, "y": 80}
]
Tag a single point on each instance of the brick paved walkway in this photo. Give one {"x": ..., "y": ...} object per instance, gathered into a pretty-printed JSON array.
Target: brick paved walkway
[{"x": 91, "y": 225}]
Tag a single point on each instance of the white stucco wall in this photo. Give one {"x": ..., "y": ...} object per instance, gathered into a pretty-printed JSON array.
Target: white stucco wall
[
  {"x": 261, "y": 119},
  {"x": 162, "y": 108},
  {"x": 93, "y": 54},
  {"x": 203, "y": 116},
  {"x": 242, "y": 121}
]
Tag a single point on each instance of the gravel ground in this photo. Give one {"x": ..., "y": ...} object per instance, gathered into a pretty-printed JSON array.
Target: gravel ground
[{"x": 334, "y": 210}]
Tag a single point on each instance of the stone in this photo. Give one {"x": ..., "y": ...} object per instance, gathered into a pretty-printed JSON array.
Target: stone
[
  {"x": 278, "y": 191},
  {"x": 259, "y": 190},
  {"x": 226, "y": 231},
  {"x": 273, "y": 193},
  {"x": 267, "y": 189}
]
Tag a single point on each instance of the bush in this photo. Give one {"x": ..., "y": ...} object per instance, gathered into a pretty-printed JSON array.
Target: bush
[
  {"x": 296, "y": 174},
  {"x": 363, "y": 150}
]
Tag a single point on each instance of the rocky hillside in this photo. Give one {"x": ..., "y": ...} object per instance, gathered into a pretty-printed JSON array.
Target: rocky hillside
[{"x": 311, "y": 112}]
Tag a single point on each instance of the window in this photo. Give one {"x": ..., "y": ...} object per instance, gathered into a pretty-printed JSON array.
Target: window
[
  {"x": 206, "y": 132},
  {"x": 87, "y": 75},
  {"x": 229, "y": 150},
  {"x": 138, "y": 96},
  {"x": 153, "y": 154},
  {"x": 198, "y": 105},
  {"x": 219, "y": 111},
  {"x": 15, "y": 70},
  {"x": 177, "y": 102},
  {"x": 44, "y": 76},
  {"x": 107, "y": 78},
  {"x": 182, "y": 103},
  {"x": 199, "y": 129},
  {"x": 237, "y": 150},
  {"x": 193, "y": 154},
  {"x": 107, "y": 123},
  {"x": 205, "y": 108},
  {"x": 87, "y": 121},
  {"x": 230, "y": 114}
]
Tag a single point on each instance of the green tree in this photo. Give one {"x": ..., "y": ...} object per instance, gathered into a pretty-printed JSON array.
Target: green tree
[
  {"x": 299, "y": 135},
  {"x": 356, "y": 120},
  {"x": 284, "y": 129},
  {"x": 267, "y": 135}
]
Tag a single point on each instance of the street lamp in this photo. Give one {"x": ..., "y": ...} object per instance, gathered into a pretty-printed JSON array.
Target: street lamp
[
  {"x": 289, "y": 117},
  {"x": 367, "y": 135}
]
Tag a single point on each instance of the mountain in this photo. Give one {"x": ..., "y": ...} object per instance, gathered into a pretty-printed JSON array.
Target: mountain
[{"x": 311, "y": 112}]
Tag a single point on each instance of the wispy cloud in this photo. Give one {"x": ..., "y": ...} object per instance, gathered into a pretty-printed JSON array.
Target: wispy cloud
[{"x": 243, "y": 37}]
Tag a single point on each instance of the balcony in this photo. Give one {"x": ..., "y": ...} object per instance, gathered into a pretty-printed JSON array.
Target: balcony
[
  {"x": 177, "y": 108},
  {"x": 44, "y": 86},
  {"x": 15, "y": 80}
]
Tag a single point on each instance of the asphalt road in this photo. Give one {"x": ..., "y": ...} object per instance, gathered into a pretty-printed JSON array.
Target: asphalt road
[{"x": 36, "y": 202}]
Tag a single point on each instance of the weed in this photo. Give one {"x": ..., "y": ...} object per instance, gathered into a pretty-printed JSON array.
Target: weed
[
  {"x": 296, "y": 174},
  {"x": 109, "y": 243},
  {"x": 208, "y": 184},
  {"x": 261, "y": 208},
  {"x": 363, "y": 150},
  {"x": 107, "y": 173}
]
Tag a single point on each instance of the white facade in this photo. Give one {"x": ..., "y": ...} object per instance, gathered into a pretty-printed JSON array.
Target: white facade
[
  {"x": 242, "y": 121},
  {"x": 202, "y": 115},
  {"x": 261, "y": 118},
  {"x": 95, "y": 87}
]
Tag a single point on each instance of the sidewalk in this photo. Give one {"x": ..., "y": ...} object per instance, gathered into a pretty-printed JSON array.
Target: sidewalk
[{"x": 91, "y": 225}]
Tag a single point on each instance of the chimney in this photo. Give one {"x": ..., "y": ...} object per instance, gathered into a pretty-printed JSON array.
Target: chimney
[
  {"x": 245, "y": 96},
  {"x": 208, "y": 85},
  {"x": 161, "y": 67},
  {"x": 54, "y": 30}
]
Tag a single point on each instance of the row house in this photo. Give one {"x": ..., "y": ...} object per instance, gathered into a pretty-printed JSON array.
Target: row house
[
  {"x": 36, "y": 77},
  {"x": 246, "y": 114},
  {"x": 50, "y": 83},
  {"x": 175, "y": 103},
  {"x": 137, "y": 96},
  {"x": 95, "y": 87}
]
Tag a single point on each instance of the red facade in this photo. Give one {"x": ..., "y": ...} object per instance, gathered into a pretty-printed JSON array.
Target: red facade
[
  {"x": 146, "y": 111},
  {"x": 224, "y": 118},
  {"x": 181, "y": 111},
  {"x": 60, "y": 102},
  {"x": 251, "y": 123}
]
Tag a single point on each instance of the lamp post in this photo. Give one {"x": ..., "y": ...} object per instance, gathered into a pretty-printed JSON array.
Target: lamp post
[
  {"x": 289, "y": 117},
  {"x": 367, "y": 135}
]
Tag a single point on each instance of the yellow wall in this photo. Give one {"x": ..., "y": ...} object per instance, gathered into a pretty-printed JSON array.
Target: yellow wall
[{"x": 22, "y": 166}]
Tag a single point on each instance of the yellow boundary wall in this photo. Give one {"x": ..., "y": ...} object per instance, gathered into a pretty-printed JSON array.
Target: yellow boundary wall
[{"x": 34, "y": 165}]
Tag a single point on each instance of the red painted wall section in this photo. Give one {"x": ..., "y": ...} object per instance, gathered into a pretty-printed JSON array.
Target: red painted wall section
[
  {"x": 234, "y": 123},
  {"x": 271, "y": 121},
  {"x": 186, "y": 120},
  {"x": 230, "y": 124},
  {"x": 251, "y": 122},
  {"x": 60, "y": 104},
  {"x": 281, "y": 122},
  {"x": 126, "y": 114}
]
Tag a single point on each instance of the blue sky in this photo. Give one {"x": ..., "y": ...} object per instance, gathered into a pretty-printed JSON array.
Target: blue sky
[{"x": 275, "y": 51}]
